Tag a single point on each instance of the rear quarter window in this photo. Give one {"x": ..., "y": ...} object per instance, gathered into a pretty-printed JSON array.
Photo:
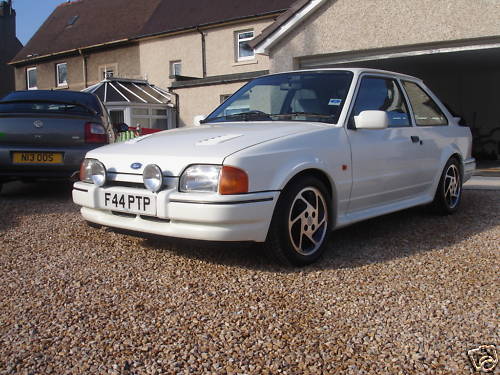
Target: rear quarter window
[{"x": 426, "y": 111}]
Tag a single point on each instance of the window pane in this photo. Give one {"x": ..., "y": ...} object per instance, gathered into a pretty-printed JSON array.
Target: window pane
[
  {"x": 140, "y": 111},
  {"x": 159, "y": 123},
  {"x": 143, "y": 122},
  {"x": 62, "y": 74},
  {"x": 32, "y": 78},
  {"x": 108, "y": 73},
  {"x": 175, "y": 68},
  {"x": 244, "y": 50},
  {"x": 246, "y": 35},
  {"x": 426, "y": 111},
  {"x": 224, "y": 97},
  {"x": 382, "y": 94},
  {"x": 117, "y": 117},
  {"x": 42, "y": 107},
  {"x": 159, "y": 112}
]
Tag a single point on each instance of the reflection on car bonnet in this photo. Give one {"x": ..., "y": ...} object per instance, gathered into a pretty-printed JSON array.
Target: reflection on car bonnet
[
  {"x": 218, "y": 139},
  {"x": 138, "y": 139}
]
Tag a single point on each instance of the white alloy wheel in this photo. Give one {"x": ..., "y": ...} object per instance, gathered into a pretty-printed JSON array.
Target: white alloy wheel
[
  {"x": 307, "y": 221},
  {"x": 452, "y": 186}
]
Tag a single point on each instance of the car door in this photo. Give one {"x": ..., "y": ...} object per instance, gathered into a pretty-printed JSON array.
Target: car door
[
  {"x": 384, "y": 161},
  {"x": 432, "y": 129}
]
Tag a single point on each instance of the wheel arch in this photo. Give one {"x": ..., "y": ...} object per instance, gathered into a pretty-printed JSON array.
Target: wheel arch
[
  {"x": 450, "y": 152},
  {"x": 323, "y": 177}
]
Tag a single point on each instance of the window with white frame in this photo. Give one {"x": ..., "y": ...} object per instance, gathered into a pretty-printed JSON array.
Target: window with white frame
[
  {"x": 155, "y": 118},
  {"x": 243, "y": 50},
  {"x": 31, "y": 79},
  {"x": 108, "y": 71},
  {"x": 224, "y": 97},
  {"x": 175, "y": 68},
  {"x": 62, "y": 74}
]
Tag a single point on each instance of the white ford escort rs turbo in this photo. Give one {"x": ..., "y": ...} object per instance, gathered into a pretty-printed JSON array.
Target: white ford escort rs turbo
[{"x": 284, "y": 161}]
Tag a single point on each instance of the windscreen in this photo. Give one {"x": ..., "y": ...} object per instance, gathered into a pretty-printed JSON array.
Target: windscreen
[{"x": 298, "y": 96}]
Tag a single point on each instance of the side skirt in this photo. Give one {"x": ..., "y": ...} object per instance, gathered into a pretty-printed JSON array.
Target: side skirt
[{"x": 354, "y": 217}]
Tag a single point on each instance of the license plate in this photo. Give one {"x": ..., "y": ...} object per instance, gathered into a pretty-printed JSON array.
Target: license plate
[
  {"x": 128, "y": 202},
  {"x": 37, "y": 158}
]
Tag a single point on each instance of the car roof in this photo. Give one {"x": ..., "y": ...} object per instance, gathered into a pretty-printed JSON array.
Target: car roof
[
  {"x": 77, "y": 97},
  {"x": 356, "y": 71}
]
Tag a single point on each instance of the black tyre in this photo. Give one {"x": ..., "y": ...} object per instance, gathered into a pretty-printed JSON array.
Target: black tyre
[
  {"x": 301, "y": 223},
  {"x": 449, "y": 192}
]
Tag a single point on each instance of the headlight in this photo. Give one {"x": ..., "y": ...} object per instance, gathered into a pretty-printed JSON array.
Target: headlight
[
  {"x": 93, "y": 172},
  {"x": 152, "y": 177},
  {"x": 213, "y": 179},
  {"x": 200, "y": 178}
]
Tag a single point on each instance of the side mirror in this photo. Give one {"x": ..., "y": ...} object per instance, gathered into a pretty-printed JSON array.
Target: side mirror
[
  {"x": 198, "y": 119},
  {"x": 371, "y": 120}
]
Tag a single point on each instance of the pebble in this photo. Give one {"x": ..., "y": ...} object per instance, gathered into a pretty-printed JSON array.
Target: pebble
[{"x": 407, "y": 293}]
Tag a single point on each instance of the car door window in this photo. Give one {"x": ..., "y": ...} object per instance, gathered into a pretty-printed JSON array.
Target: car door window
[
  {"x": 426, "y": 111},
  {"x": 382, "y": 94}
]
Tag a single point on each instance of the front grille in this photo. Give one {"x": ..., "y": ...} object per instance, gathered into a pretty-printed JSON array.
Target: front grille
[
  {"x": 123, "y": 214},
  {"x": 168, "y": 183},
  {"x": 143, "y": 217},
  {"x": 154, "y": 219},
  {"x": 137, "y": 185}
]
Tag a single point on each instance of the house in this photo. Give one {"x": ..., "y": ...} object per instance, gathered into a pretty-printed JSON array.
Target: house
[
  {"x": 453, "y": 45},
  {"x": 197, "y": 48},
  {"x": 9, "y": 46}
]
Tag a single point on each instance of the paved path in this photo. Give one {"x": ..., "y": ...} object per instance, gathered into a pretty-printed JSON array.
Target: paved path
[{"x": 483, "y": 183}]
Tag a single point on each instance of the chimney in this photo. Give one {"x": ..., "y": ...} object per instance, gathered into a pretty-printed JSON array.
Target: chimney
[
  {"x": 5, "y": 8},
  {"x": 7, "y": 20}
]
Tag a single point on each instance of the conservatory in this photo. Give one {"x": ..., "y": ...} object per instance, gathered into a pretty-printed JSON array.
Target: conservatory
[{"x": 136, "y": 103}]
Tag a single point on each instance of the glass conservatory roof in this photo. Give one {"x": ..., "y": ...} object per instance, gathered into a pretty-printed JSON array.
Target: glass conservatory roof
[{"x": 129, "y": 91}]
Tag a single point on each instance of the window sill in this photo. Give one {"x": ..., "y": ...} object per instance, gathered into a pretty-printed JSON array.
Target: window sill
[
  {"x": 61, "y": 87},
  {"x": 246, "y": 62}
]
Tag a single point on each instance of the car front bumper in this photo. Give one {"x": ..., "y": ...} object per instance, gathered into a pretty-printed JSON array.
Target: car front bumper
[{"x": 244, "y": 217}]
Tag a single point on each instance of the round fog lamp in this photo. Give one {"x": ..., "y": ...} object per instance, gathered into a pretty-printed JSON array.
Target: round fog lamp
[
  {"x": 152, "y": 177},
  {"x": 98, "y": 173}
]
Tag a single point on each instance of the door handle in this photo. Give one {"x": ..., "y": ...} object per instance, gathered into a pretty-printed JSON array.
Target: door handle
[{"x": 415, "y": 139}]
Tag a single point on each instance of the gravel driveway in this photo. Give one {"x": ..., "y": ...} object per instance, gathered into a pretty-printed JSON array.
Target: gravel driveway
[{"x": 408, "y": 293}]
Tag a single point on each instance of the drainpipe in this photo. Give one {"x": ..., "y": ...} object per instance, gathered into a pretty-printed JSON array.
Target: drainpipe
[
  {"x": 177, "y": 105},
  {"x": 84, "y": 67},
  {"x": 203, "y": 53}
]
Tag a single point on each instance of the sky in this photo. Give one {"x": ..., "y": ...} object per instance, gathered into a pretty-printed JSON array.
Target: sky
[{"x": 30, "y": 14}]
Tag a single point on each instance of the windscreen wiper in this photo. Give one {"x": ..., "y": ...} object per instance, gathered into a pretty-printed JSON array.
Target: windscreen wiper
[
  {"x": 311, "y": 114},
  {"x": 243, "y": 116}
]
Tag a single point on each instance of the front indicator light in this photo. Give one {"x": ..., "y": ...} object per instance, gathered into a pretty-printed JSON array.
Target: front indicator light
[{"x": 233, "y": 181}]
